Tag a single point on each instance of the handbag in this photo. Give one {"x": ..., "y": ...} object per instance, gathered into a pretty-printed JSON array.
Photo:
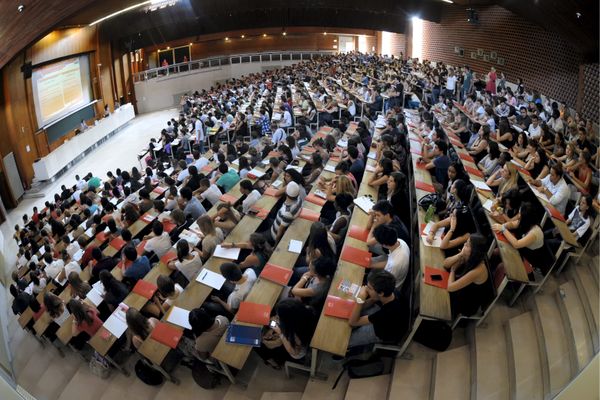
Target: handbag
[{"x": 99, "y": 366}]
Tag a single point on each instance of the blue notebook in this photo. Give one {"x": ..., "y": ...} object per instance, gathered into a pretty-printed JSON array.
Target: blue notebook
[{"x": 246, "y": 335}]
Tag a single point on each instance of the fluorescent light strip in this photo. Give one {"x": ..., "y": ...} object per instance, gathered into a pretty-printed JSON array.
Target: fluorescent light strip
[
  {"x": 448, "y": 1},
  {"x": 122, "y": 11}
]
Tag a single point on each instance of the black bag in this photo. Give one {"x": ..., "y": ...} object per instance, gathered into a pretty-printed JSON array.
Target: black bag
[
  {"x": 436, "y": 335},
  {"x": 148, "y": 374},
  {"x": 203, "y": 376},
  {"x": 428, "y": 200},
  {"x": 373, "y": 366}
]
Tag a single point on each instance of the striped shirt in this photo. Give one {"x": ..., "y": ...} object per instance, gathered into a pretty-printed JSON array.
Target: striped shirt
[{"x": 285, "y": 216}]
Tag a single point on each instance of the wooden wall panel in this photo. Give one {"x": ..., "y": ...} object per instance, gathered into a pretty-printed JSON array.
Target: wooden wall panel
[{"x": 62, "y": 43}]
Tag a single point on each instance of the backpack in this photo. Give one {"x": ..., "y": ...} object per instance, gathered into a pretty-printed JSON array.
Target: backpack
[
  {"x": 373, "y": 366},
  {"x": 436, "y": 335},
  {"x": 148, "y": 374},
  {"x": 203, "y": 376}
]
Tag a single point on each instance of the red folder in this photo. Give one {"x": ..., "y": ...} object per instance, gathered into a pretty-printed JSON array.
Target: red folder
[
  {"x": 429, "y": 271},
  {"x": 528, "y": 267},
  {"x": 465, "y": 157},
  {"x": 260, "y": 212},
  {"x": 424, "y": 186},
  {"x": 554, "y": 213},
  {"x": 273, "y": 154},
  {"x": 500, "y": 236},
  {"x": 313, "y": 198},
  {"x": 140, "y": 247},
  {"x": 227, "y": 198},
  {"x": 358, "y": 233},
  {"x": 421, "y": 165},
  {"x": 338, "y": 307},
  {"x": 117, "y": 243},
  {"x": 166, "y": 334},
  {"x": 308, "y": 149},
  {"x": 356, "y": 256},
  {"x": 145, "y": 289},
  {"x": 148, "y": 218},
  {"x": 523, "y": 170},
  {"x": 169, "y": 225},
  {"x": 473, "y": 171},
  {"x": 271, "y": 192},
  {"x": 101, "y": 237},
  {"x": 169, "y": 256},
  {"x": 277, "y": 274},
  {"x": 207, "y": 168},
  {"x": 457, "y": 143},
  {"x": 159, "y": 190},
  {"x": 310, "y": 215},
  {"x": 254, "y": 313}
]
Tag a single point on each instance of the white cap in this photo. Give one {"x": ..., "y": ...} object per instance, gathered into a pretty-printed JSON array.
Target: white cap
[{"x": 292, "y": 189}]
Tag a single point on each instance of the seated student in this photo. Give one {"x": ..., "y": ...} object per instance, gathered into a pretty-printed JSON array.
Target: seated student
[
  {"x": 287, "y": 213},
  {"x": 79, "y": 288},
  {"x": 181, "y": 222},
  {"x": 102, "y": 264},
  {"x": 578, "y": 221},
  {"x": 20, "y": 283},
  {"x": 207, "y": 331},
  {"x": 21, "y": 299},
  {"x": 379, "y": 314},
  {"x": 468, "y": 274},
  {"x": 38, "y": 282},
  {"x": 244, "y": 167},
  {"x": 138, "y": 328},
  {"x": 479, "y": 148},
  {"x": 357, "y": 165},
  {"x": 212, "y": 237},
  {"x": 145, "y": 203},
  {"x": 139, "y": 266},
  {"x": 384, "y": 169},
  {"x": 341, "y": 223},
  {"x": 581, "y": 173},
  {"x": 243, "y": 282},
  {"x": 252, "y": 195},
  {"x": 291, "y": 336},
  {"x": 507, "y": 207},
  {"x": 115, "y": 291},
  {"x": 53, "y": 267},
  {"x": 261, "y": 252},
  {"x": 439, "y": 163},
  {"x": 228, "y": 179},
  {"x": 504, "y": 179},
  {"x": 55, "y": 308},
  {"x": 226, "y": 217},
  {"x": 188, "y": 263},
  {"x": 159, "y": 241},
  {"x": 554, "y": 187},
  {"x": 397, "y": 196},
  {"x": 314, "y": 284},
  {"x": 313, "y": 168},
  {"x": 538, "y": 164},
  {"x": 489, "y": 163},
  {"x": 193, "y": 207},
  {"x": 85, "y": 318},
  {"x": 291, "y": 175},
  {"x": 381, "y": 214},
  {"x": 397, "y": 261},
  {"x": 168, "y": 291}
]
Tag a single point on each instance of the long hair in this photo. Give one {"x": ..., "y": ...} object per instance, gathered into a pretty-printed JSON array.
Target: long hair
[
  {"x": 77, "y": 284},
  {"x": 478, "y": 250},
  {"x": 79, "y": 311},
  {"x": 53, "y": 304},
  {"x": 318, "y": 240},
  {"x": 137, "y": 323},
  {"x": 296, "y": 319},
  {"x": 260, "y": 244}
]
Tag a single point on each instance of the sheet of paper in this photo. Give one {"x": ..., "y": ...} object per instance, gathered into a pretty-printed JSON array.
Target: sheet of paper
[
  {"x": 116, "y": 323},
  {"x": 488, "y": 205},
  {"x": 77, "y": 256},
  {"x": 196, "y": 229},
  {"x": 114, "y": 201},
  {"x": 42, "y": 250},
  {"x": 480, "y": 185},
  {"x": 95, "y": 297},
  {"x": 342, "y": 143},
  {"x": 330, "y": 168},
  {"x": 210, "y": 278},
  {"x": 179, "y": 317},
  {"x": 257, "y": 173},
  {"x": 168, "y": 171},
  {"x": 231, "y": 254},
  {"x": 62, "y": 318},
  {"x": 190, "y": 237},
  {"x": 372, "y": 155},
  {"x": 277, "y": 184},
  {"x": 539, "y": 194},
  {"x": 364, "y": 203},
  {"x": 89, "y": 232},
  {"x": 321, "y": 194},
  {"x": 369, "y": 168},
  {"x": 295, "y": 246},
  {"x": 297, "y": 168}
]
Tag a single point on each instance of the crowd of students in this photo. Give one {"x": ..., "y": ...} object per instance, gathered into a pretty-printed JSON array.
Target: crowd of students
[{"x": 267, "y": 119}]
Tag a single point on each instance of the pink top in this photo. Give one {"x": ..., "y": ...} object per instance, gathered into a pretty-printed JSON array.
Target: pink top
[
  {"x": 491, "y": 83},
  {"x": 92, "y": 328}
]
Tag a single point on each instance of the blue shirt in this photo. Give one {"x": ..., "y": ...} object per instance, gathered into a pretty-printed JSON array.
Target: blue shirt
[
  {"x": 138, "y": 269},
  {"x": 265, "y": 123},
  {"x": 441, "y": 169},
  {"x": 228, "y": 180},
  {"x": 194, "y": 208}
]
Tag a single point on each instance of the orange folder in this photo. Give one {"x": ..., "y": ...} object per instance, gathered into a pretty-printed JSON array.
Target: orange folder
[
  {"x": 261, "y": 213},
  {"x": 466, "y": 157},
  {"x": 271, "y": 192},
  {"x": 117, "y": 243},
  {"x": 101, "y": 237},
  {"x": 227, "y": 198},
  {"x": 277, "y": 274},
  {"x": 166, "y": 334},
  {"x": 338, "y": 307},
  {"x": 434, "y": 272},
  {"x": 308, "y": 149},
  {"x": 424, "y": 186},
  {"x": 169, "y": 256},
  {"x": 528, "y": 267},
  {"x": 207, "y": 168},
  {"x": 457, "y": 143},
  {"x": 554, "y": 213},
  {"x": 140, "y": 247},
  {"x": 254, "y": 313},
  {"x": 169, "y": 225},
  {"x": 145, "y": 289},
  {"x": 358, "y": 233},
  {"x": 310, "y": 215},
  {"x": 313, "y": 198},
  {"x": 421, "y": 165},
  {"x": 356, "y": 256},
  {"x": 473, "y": 171},
  {"x": 500, "y": 236},
  {"x": 273, "y": 154},
  {"x": 159, "y": 190}
]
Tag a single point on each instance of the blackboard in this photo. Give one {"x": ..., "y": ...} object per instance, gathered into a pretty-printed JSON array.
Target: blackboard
[{"x": 68, "y": 123}]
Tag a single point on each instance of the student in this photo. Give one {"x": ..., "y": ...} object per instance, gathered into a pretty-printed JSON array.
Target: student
[
  {"x": 139, "y": 267},
  {"x": 228, "y": 178},
  {"x": 468, "y": 276},
  {"x": 313, "y": 286},
  {"x": 397, "y": 196},
  {"x": 252, "y": 195},
  {"x": 381, "y": 214},
  {"x": 138, "y": 327},
  {"x": 85, "y": 318},
  {"x": 261, "y": 252},
  {"x": 38, "y": 282},
  {"x": 102, "y": 263},
  {"x": 168, "y": 292},
  {"x": 212, "y": 237},
  {"x": 440, "y": 163},
  {"x": 226, "y": 217},
  {"x": 207, "y": 331},
  {"x": 341, "y": 223},
  {"x": 79, "y": 288},
  {"x": 287, "y": 213},
  {"x": 159, "y": 242},
  {"x": 398, "y": 259},
  {"x": 243, "y": 284},
  {"x": 21, "y": 300},
  {"x": 554, "y": 187},
  {"x": 209, "y": 192},
  {"x": 193, "y": 207},
  {"x": 578, "y": 221},
  {"x": 189, "y": 263},
  {"x": 357, "y": 165},
  {"x": 378, "y": 315},
  {"x": 115, "y": 291}
]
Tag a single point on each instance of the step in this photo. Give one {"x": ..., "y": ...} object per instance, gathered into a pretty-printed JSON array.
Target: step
[
  {"x": 588, "y": 294},
  {"x": 524, "y": 360},
  {"x": 491, "y": 363},
  {"x": 574, "y": 318},
  {"x": 452, "y": 374},
  {"x": 411, "y": 379},
  {"x": 322, "y": 389},
  {"x": 374, "y": 387},
  {"x": 281, "y": 396},
  {"x": 561, "y": 362}
]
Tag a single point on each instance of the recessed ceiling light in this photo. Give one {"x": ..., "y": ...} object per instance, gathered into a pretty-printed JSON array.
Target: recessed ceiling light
[
  {"x": 264, "y": 35},
  {"x": 226, "y": 39},
  {"x": 284, "y": 33},
  {"x": 324, "y": 33},
  {"x": 191, "y": 43},
  {"x": 243, "y": 36}
]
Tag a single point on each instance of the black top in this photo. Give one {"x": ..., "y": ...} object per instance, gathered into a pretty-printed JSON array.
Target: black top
[
  {"x": 357, "y": 169},
  {"x": 118, "y": 293},
  {"x": 107, "y": 263},
  {"x": 21, "y": 302},
  {"x": 400, "y": 229},
  {"x": 389, "y": 322}
]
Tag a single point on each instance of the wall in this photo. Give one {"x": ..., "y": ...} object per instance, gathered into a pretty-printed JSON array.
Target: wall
[
  {"x": 588, "y": 91},
  {"x": 161, "y": 93},
  {"x": 545, "y": 62}
]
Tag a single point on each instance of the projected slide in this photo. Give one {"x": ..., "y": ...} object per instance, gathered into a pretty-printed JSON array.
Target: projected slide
[{"x": 60, "y": 88}]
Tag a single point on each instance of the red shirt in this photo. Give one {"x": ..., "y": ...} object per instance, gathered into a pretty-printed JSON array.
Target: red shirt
[{"x": 92, "y": 328}]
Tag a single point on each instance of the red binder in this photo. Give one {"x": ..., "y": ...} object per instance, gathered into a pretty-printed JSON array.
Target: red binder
[
  {"x": 117, "y": 243},
  {"x": 254, "y": 313},
  {"x": 442, "y": 283},
  {"x": 424, "y": 186},
  {"x": 140, "y": 247},
  {"x": 207, "y": 168},
  {"x": 310, "y": 215},
  {"x": 159, "y": 190},
  {"x": 473, "y": 171},
  {"x": 145, "y": 289},
  {"x": 358, "y": 233},
  {"x": 273, "y": 154},
  {"x": 500, "y": 236},
  {"x": 169, "y": 256},
  {"x": 308, "y": 149},
  {"x": 338, "y": 307},
  {"x": 166, "y": 334},
  {"x": 260, "y": 212},
  {"x": 101, "y": 237},
  {"x": 148, "y": 218},
  {"x": 466, "y": 157},
  {"x": 227, "y": 198},
  {"x": 271, "y": 192},
  {"x": 334, "y": 158},
  {"x": 528, "y": 267},
  {"x": 277, "y": 274},
  {"x": 356, "y": 256},
  {"x": 169, "y": 225},
  {"x": 554, "y": 213},
  {"x": 313, "y": 198},
  {"x": 421, "y": 165}
]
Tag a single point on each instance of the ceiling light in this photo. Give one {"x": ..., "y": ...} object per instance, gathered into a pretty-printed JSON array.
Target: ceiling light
[
  {"x": 243, "y": 36},
  {"x": 324, "y": 33},
  {"x": 334, "y": 40},
  {"x": 284, "y": 33},
  {"x": 264, "y": 35},
  {"x": 124, "y": 10},
  {"x": 168, "y": 47},
  {"x": 448, "y": 1},
  {"x": 191, "y": 43},
  {"x": 226, "y": 39}
]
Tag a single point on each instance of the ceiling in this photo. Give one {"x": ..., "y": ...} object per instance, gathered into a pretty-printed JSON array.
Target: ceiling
[{"x": 187, "y": 18}]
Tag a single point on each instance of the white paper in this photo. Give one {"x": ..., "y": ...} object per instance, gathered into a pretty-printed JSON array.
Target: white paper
[
  {"x": 89, "y": 233},
  {"x": 369, "y": 168},
  {"x": 148, "y": 218},
  {"x": 342, "y": 143},
  {"x": 276, "y": 184},
  {"x": 168, "y": 171},
  {"x": 180, "y": 317},
  {"x": 116, "y": 323},
  {"x": 70, "y": 236},
  {"x": 320, "y": 193},
  {"x": 62, "y": 318},
  {"x": 210, "y": 278},
  {"x": 236, "y": 161},
  {"x": 231, "y": 254},
  {"x": 257, "y": 173},
  {"x": 488, "y": 205},
  {"x": 538, "y": 193},
  {"x": 77, "y": 256},
  {"x": 364, "y": 203},
  {"x": 372, "y": 155},
  {"x": 114, "y": 201},
  {"x": 480, "y": 185},
  {"x": 42, "y": 250},
  {"x": 194, "y": 228},
  {"x": 276, "y": 116},
  {"x": 295, "y": 246},
  {"x": 330, "y": 168},
  {"x": 95, "y": 297},
  {"x": 437, "y": 238},
  {"x": 297, "y": 168},
  {"x": 190, "y": 237},
  {"x": 517, "y": 128}
]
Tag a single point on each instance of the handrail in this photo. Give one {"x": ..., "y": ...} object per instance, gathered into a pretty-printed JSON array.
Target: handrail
[{"x": 218, "y": 61}]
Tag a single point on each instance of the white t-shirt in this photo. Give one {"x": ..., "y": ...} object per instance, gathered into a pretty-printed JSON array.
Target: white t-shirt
[
  {"x": 178, "y": 290},
  {"x": 201, "y": 163},
  {"x": 212, "y": 194},
  {"x": 534, "y": 132},
  {"x": 241, "y": 291},
  {"x": 451, "y": 83},
  {"x": 73, "y": 248},
  {"x": 250, "y": 200},
  {"x": 190, "y": 268},
  {"x": 54, "y": 268},
  {"x": 73, "y": 266},
  {"x": 159, "y": 244},
  {"x": 398, "y": 262}
]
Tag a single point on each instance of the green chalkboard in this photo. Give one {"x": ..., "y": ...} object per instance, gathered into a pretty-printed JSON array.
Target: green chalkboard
[{"x": 70, "y": 122}]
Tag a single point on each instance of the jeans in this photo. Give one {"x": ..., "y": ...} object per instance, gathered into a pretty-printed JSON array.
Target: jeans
[{"x": 364, "y": 335}]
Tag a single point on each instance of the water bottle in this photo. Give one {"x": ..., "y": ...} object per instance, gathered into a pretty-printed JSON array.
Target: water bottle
[{"x": 430, "y": 213}]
